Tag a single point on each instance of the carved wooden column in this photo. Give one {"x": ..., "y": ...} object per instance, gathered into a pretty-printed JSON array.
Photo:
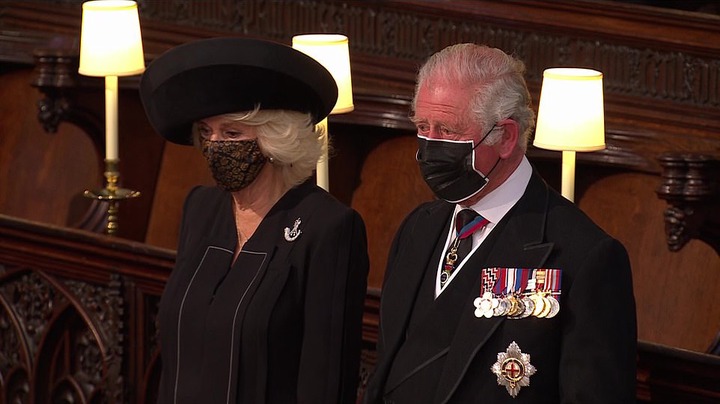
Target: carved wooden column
[
  {"x": 58, "y": 79},
  {"x": 691, "y": 187}
]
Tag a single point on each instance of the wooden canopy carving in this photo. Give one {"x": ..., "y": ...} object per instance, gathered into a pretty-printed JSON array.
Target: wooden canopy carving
[{"x": 691, "y": 187}]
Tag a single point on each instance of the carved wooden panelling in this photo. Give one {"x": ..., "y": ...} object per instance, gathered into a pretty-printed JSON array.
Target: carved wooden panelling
[
  {"x": 401, "y": 32},
  {"x": 77, "y": 316},
  {"x": 75, "y": 326},
  {"x": 662, "y": 60}
]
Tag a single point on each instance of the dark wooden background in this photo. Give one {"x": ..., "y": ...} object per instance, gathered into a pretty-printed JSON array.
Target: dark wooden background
[{"x": 655, "y": 186}]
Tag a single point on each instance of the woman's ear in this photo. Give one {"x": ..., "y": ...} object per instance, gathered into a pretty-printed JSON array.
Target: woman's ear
[{"x": 509, "y": 138}]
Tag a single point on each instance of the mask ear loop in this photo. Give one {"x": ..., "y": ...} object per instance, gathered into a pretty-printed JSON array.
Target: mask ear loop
[
  {"x": 472, "y": 165},
  {"x": 484, "y": 137},
  {"x": 491, "y": 170}
]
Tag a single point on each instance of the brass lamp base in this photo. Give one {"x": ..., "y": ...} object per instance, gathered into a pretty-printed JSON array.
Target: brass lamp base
[
  {"x": 112, "y": 194},
  {"x": 106, "y": 194}
]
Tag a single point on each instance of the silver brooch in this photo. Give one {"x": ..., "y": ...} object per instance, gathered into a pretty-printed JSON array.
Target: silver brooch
[
  {"x": 294, "y": 233},
  {"x": 513, "y": 369}
]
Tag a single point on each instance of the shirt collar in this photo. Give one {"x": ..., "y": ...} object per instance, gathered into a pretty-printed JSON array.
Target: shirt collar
[{"x": 495, "y": 205}]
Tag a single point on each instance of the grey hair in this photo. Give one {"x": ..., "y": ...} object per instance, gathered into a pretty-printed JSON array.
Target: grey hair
[
  {"x": 497, "y": 79},
  {"x": 288, "y": 139}
]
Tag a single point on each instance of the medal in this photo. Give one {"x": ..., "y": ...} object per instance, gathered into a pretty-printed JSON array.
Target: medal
[
  {"x": 513, "y": 369},
  {"x": 529, "y": 307},
  {"x": 485, "y": 305},
  {"x": 518, "y": 293},
  {"x": 547, "y": 306},
  {"x": 547, "y": 284},
  {"x": 516, "y": 306},
  {"x": 450, "y": 259},
  {"x": 502, "y": 308},
  {"x": 539, "y": 304},
  {"x": 554, "y": 307}
]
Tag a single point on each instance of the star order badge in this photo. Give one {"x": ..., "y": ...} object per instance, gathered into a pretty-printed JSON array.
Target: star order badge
[{"x": 513, "y": 369}]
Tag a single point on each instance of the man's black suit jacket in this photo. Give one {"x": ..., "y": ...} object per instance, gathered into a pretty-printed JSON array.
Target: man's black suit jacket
[{"x": 586, "y": 354}]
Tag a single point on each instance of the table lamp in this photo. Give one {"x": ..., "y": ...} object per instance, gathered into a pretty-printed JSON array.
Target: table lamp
[
  {"x": 570, "y": 117},
  {"x": 111, "y": 46},
  {"x": 331, "y": 50}
]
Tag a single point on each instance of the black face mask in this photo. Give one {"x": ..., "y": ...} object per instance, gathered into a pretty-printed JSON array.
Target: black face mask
[{"x": 448, "y": 167}]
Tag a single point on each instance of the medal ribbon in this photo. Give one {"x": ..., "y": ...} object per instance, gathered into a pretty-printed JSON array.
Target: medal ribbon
[
  {"x": 489, "y": 279},
  {"x": 548, "y": 281},
  {"x": 452, "y": 255},
  {"x": 507, "y": 281},
  {"x": 521, "y": 279},
  {"x": 511, "y": 280},
  {"x": 499, "y": 288},
  {"x": 552, "y": 282},
  {"x": 470, "y": 228}
]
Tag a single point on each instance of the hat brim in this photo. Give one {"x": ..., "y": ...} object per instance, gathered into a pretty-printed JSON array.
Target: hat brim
[{"x": 223, "y": 75}]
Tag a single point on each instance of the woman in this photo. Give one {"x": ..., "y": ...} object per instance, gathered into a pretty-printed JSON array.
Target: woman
[{"x": 265, "y": 302}]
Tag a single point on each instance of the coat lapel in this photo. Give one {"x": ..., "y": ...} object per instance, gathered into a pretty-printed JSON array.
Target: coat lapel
[
  {"x": 270, "y": 242},
  {"x": 517, "y": 241},
  {"x": 270, "y": 239},
  {"x": 405, "y": 280}
]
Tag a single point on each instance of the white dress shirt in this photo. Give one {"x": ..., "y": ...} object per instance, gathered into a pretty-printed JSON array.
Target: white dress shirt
[{"x": 493, "y": 207}]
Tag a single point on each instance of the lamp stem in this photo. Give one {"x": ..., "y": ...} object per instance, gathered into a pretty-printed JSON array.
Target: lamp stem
[
  {"x": 322, "y": 172},
  {"x": 111, "y": 117},
  {"x": 112, "y": 176},
  {"x": 568, "y": 175}
]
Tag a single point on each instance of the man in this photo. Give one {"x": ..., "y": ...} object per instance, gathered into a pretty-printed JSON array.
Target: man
[{"x": 541, "y": 309}]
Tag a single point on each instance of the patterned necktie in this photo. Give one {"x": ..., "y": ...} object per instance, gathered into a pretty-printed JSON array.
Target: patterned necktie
[{"x": 467, "y": 222}]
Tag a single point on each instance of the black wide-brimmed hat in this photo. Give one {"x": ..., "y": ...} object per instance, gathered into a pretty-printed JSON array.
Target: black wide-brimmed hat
[{"x": 215, "y": 76}]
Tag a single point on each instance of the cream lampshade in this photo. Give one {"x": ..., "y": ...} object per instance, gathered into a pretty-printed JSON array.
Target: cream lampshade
[
  {"x": 331, "y": 50},
  {"x": 110, "y": 42},
  {"x": 570, "y": 117},
  {"x": 111, "y": 46}
]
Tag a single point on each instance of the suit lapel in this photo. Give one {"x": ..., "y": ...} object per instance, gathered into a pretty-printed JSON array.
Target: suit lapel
[
  {"x": 427, "y": 229},
  {"x": 517, "y": 241}
]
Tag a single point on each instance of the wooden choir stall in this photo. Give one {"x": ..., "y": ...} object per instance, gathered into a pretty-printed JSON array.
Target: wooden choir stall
[{"x": 78, "y": 308}]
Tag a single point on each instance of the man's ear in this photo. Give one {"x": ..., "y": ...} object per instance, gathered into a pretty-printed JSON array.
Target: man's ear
[{"x": 509, "y": 138}]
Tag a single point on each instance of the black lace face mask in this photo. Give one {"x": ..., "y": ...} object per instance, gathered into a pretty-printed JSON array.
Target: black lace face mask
[
  {"x": 448, "y": 167},
  {"x": 234, "y": 163}
]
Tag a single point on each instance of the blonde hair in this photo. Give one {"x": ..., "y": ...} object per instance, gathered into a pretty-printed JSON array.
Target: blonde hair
[{"x": 288, "y": 138}]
